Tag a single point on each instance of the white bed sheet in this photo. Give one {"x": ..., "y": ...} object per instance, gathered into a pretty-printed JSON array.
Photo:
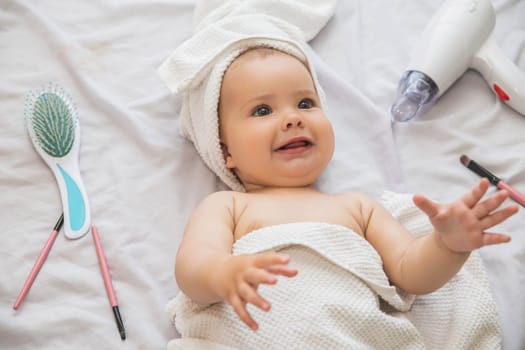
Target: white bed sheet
[{"x": 144, "y": 180}]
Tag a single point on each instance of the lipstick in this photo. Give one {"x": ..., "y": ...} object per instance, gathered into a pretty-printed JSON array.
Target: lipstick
[{"x": 493, "y": 179}]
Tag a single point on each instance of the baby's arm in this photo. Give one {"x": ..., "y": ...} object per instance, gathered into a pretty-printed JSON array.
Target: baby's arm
[
  {"x": 207, "y": 272},
  {"x": 422, "y": 265}
]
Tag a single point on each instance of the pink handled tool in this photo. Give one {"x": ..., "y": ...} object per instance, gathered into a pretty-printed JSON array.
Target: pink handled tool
[
  {"x": 39, "y": 262},
  {"x": 493, "y": 179},
  {"x": 104, "y": 269}
]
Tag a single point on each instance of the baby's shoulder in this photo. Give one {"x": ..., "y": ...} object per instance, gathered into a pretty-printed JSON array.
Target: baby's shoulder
[
  {"x": 219, "y": 197},
  {"x": 223, "y": 198},
  {"x": 359, "y": 202},
  {"x": 216, "y": 203},
  {"x": 355, "y": 198}
]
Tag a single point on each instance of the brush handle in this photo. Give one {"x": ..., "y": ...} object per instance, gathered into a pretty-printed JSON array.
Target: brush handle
[
  {"x": 77, "y": 218},
  {"x": 38, "y": 263},
  {"x": 514, "y": 194}
]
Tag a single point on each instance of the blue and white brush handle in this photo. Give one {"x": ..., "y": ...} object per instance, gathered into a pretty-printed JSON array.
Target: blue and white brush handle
[{"x": 77, "y": 217}]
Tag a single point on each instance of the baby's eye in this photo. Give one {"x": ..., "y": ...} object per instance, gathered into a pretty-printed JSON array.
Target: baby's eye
[
  {"x": 306, "y": 104},
  {"x": 261, "y": 111}
]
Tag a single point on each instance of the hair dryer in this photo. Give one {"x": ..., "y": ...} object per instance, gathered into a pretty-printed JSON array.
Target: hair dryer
[{"x": 457, "y": 38}]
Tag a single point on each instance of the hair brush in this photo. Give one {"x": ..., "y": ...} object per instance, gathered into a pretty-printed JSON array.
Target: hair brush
[{"x": 52, "y": 123}]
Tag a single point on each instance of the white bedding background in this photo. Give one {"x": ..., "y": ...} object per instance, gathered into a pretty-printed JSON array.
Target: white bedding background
[{"x": 143, "y": 180}]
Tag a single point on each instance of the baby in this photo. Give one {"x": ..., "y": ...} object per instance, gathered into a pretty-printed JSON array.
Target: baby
[{"x": 277, "y": 140}]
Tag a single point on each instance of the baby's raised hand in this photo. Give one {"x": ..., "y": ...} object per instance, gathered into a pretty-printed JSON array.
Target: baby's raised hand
[
  {"x": 245, "y": 273},
  {"x": 462, "y": 224}
]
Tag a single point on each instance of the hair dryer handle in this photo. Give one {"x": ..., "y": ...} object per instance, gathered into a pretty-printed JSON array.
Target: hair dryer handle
[{"x": 502, "y": 75}]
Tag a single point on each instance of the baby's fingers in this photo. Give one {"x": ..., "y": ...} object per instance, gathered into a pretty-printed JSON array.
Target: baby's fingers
[
  {"x": 275, "y": 263},
  {"x": 427, "y": 206},
  {"x": 267, "y": 259},
  {"x": 239, "y": 306},
  {"x": 476, "y": 193},
  {"x": 249, "y": 294},
  {"x": 282, "y": 270},
  {"x": 494, "y": 238},
  {"x": 484, "y": 208},
  {"x": 499, "y": 216},
  {"x": 256, "y": 276}
]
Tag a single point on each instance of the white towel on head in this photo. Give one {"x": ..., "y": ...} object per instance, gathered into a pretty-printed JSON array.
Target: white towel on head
[
  {"x": 195, "y": 69},
  {"x": 309, "y": 16}
]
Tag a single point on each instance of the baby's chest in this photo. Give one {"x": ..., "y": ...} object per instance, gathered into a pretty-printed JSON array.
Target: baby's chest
[{"x": 259, "y": 214}]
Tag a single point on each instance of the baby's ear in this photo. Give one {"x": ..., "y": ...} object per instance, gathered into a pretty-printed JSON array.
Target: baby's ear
[{"x": 227, "y": 156}]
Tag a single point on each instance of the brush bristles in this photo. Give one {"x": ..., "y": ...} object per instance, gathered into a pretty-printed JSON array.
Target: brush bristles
[
  {"x": 464, "y": 160},
  {"x": 52, "y": 118}
]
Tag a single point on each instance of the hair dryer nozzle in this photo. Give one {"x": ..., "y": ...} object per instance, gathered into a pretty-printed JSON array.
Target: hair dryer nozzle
[{"x": 415, "y": 90}]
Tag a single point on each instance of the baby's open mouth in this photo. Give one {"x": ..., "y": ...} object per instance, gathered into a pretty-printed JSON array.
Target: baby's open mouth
[{"x": 295, "y": 144}]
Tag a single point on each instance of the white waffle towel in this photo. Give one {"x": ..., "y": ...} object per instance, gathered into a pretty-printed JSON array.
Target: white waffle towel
[{"x": 341, "y": 298}]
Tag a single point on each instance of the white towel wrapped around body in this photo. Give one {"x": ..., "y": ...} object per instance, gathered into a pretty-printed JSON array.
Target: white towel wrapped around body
[{"x": 341, "y": 298}]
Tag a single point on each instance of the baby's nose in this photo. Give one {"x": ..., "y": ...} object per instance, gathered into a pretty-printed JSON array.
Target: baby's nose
[{"x": 292, "y": 119}]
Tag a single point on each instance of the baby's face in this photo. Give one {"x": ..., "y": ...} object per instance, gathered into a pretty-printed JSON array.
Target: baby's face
[{"x": 271, "y": 124}]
